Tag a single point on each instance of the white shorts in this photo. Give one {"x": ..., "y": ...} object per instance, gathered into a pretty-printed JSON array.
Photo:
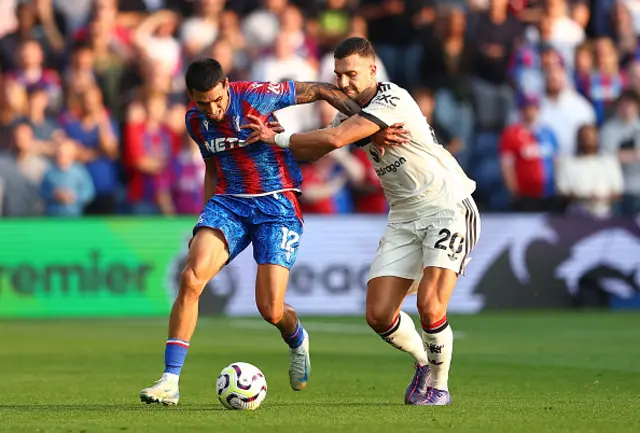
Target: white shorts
[{"x": 443, "y": 240}]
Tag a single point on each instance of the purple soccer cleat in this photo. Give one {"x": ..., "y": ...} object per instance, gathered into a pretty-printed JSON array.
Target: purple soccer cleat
[
  {"x": 418, "y": 388},
  {"x": 436, "y": 397}
]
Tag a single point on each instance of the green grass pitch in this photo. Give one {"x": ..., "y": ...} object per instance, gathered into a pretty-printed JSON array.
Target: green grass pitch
[{"x": 512, "y": 372}]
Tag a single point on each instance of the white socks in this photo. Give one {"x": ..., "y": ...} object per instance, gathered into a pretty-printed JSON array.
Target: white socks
[
  {"x": 438, "y": 343},
  {"x": 403, "y": 336}
]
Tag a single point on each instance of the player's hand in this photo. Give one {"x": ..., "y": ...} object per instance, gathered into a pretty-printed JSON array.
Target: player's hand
[
  {"x": 394, "y": 135},
  {"x": 261, "y": 132},
  {"x": 275, "y": 126}
]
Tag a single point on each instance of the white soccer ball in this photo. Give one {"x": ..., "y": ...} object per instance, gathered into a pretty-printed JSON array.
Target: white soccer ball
[{"x": 241, "y": 386}]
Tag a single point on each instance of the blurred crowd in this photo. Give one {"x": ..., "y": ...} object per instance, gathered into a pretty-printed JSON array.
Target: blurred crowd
[{"x": 538, "y": 99}]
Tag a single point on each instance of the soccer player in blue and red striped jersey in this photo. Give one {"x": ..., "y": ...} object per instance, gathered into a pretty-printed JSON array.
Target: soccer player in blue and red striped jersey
[{"x": 251, "y": 197}]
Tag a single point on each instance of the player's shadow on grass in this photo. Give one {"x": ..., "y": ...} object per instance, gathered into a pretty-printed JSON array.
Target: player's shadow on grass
[
  {"x": 101, "y": 407},
  {"x": 333, "y": 403}
]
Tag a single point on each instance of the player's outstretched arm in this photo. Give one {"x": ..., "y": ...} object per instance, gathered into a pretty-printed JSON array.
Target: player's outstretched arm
[
  {"x": 312, "y": 145},
  {"x": 315, "y": 91}
]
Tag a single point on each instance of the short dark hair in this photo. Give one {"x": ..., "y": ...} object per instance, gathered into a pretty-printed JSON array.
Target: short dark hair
[
  {"x": 355, "y": 45},
  {"x": 204, "y": 74}
]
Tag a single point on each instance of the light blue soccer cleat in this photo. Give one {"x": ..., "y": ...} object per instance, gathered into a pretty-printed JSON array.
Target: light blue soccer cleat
[
  {"x": 165, "y": 391},
  {"x": 300, "y": 365}
]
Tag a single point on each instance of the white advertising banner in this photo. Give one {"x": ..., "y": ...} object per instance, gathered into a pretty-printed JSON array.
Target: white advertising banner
[
  {"x": 330, "y": 274},
  {"x": 520, "y": 261}
]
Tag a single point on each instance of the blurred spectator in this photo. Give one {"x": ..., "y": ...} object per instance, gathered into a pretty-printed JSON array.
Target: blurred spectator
[
  {"x": 222, "y": 51},
  {"x": 532, "y": 11},
  {"x": 633, "y": 75},
  {"x": 424, "y": 16},
  {"x": 97, "y": 136},
  {"x": 325, "y": 187},
  {"x": 231, "y": 32},
  {"x": 155, "y": 41},
  {"x": 396, "y": 47},
  {"x": 563, "y": 109},
  {"x": 528, "y": 152},
  {"x": 625, "y": 32},
  {"x": 632, "y": 11},
  {"x": 445, "y": 69},
  {"x": 492, "y": 44},
  {"x": 9, "y": 23},
  {"x": 14, "y": 106},
  {"x": 261, "y": 27},
  {"x": 25, "y": 153},
  {"x": 37, "y": 20},
  {"x": 620, "y": 136},
  {"x": 566, "y": 33},
  {"x": 286, "y": 65},
  {"x": 148, "y": 150},
  {"x": 31, "y": 72},
  {"x": 80, "y": 73},
  {"x": 584, "y": 67},
  {"x": 606, "y": 82},
  {"x": 446, "y": 55},
  {"x": 426, "y": 102},
  {"x": 200, "y": 31},
  {"x": 591, "y": 181},
  {"x": 75, "y": 13},
  {"x": 292, "y": 23},
  {"x": 108, "y": 68},
  {"x": 147, "y": 78},
  {"x": 532, "y": 59},
  {"x": 104, "y": 14},
  {"x": 67, "y": 186},
  {"x": 41, "y": 123},
  {"x": 181, "y": 189},
  {"x": 332, "y": 22},
  {"x": 19, "y": 197},
  {"x": 580, "y": 12}
]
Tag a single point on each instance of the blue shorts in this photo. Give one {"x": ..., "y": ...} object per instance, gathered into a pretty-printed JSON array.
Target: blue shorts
[{"x": 273, "y": 223}]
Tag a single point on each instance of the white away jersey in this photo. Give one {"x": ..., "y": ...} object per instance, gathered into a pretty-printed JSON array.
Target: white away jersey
[{"x": 420, "y": 177}]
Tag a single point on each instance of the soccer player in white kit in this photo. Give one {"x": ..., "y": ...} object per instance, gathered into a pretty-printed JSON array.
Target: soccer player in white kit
[{"x": 433, "y": 221}]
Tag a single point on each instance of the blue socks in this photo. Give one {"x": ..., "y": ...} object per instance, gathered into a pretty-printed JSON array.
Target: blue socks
[
  {"x": 174, "y": 354},
  {"x": 295, "y": 340}
]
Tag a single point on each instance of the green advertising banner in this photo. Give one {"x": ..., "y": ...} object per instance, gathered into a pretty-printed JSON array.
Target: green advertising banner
[{"x": 90, "y": 267}]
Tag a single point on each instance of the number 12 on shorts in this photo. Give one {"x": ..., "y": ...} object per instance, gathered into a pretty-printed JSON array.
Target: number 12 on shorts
[{"x": 290, "y": 240}]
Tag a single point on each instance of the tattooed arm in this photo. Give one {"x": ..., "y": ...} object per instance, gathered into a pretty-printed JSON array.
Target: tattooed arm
[{"x": 315, "y": 91}]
